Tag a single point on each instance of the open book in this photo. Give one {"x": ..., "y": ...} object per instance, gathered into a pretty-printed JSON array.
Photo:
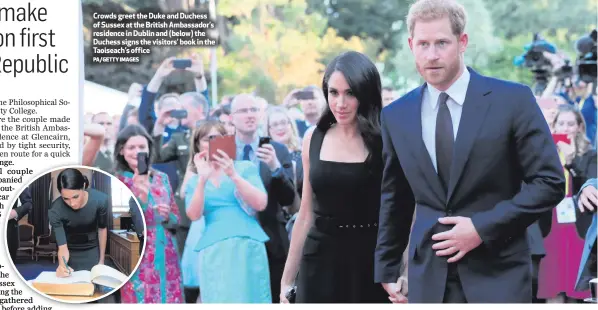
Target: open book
[{"x": 99, "y": 274}]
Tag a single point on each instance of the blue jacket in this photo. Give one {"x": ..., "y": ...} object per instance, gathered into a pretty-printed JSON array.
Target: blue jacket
[{"x": 585, "y": 275}]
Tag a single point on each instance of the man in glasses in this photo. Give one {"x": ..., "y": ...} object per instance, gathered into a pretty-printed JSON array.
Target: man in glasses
[
  {"x": 104, "y": 157},
  {"x": 276, "y": 171}
]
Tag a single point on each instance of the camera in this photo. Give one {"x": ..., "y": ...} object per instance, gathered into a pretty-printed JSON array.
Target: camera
[
  {"x": 586, "y": 62},
  {"x": 540, "y": 66}
]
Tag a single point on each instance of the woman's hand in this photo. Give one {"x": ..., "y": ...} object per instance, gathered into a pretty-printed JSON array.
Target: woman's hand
[
  {"x": 204, "y": 169},
  {"x": 164, "y": 211},
  {"x": 63, "y": 272},
  {"x": 568, "y": 151},
  {"x": 226, "y": 164},
  {"x": 142, "y": 185},
  {"x": 284, "y": 288}
]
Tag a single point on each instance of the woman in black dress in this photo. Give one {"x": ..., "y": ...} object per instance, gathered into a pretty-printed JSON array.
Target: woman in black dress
[
  {"x": 79, "y": 220},
  {"x": 333, "y": 241}
]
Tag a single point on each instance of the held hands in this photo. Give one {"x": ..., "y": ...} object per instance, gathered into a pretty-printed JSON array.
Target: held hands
[
  {"x": 267, "y": 154},
  {"x": 63, "y": 272},
  {"x": 284, "y": 288},
  {"x": 397, "y": 292},
  {"x": 588, "y": 199},
  {"x": 461, "y": 239},
  {"x": 568, "y": 151},
  {"x": 164, "y": 117},
  {"x": 141, "y": 184}
]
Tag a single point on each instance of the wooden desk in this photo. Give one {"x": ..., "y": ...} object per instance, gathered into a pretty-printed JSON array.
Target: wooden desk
[
  {"x": 124, "y": 251},
  {"x": 58, "y": 291},
  {"x": 78, "y": 298}
]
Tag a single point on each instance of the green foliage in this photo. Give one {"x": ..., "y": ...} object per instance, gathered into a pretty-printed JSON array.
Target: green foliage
[{"x": 272, "y": 46}]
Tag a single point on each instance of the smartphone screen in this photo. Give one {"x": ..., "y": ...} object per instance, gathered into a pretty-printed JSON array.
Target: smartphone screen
[
  {"x": 225, "y": 143},
  {"x": 142, "y": 163},
  {"x": 558, "y": 137},
  {"x": 181, "y": 63},
  {"x": 179, "y": 114},
  {"x": 264, "y": 140}
]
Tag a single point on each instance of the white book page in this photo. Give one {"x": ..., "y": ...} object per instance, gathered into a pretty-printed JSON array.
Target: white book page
[
  {"x": 107, "y": 276},
  {"x": 82, "y": 276}
]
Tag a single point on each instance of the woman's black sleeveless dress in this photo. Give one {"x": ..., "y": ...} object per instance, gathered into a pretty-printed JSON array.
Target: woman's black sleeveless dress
[{"x": 337, "y": 264}]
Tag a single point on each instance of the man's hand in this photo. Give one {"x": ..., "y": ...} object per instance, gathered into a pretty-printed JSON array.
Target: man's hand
[
  {"x": 165, "y": 68},
  {"x": 394, "y": 291},
  {"x": 461, "y": 239},
  {"x": 12, "y": 215},
  {"x": 267, "y": 154},
  {"x": 197, "y": 67},
  {"x": 164, "y": 117},
  {"x": 588, "y": 199}
]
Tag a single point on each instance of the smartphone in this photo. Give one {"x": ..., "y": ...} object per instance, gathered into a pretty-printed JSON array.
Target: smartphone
[
  {"x": 225, "y": 143},
  {"x": 143, "y": 163},
  {"x": 181, "y": 63},
  {"x": 179, "y": 114},
  {"x": 264, "y": 140},
  {"x": 304, "y": 95},
  {"x": 558, "y": 137}
]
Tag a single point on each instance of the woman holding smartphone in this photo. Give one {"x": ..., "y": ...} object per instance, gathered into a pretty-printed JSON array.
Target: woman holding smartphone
[
  {"x": 158, "y": 278},
  {"x": 232, "y": 259},
  {"x": 566, "y": 231},
  {"x": 79, "y": 220}
]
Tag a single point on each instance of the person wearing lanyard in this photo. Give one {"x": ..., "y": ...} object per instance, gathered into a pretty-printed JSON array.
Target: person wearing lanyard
[{"x": 79, "y": 220}]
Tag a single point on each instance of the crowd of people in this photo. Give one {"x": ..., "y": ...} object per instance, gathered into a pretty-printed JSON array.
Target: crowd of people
[{"x": 460, "y": 183}]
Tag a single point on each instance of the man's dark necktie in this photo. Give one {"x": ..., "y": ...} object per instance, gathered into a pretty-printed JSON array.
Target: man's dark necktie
[
  {"x": 444, "y": 140},
  {"x": 246, "y": 151}
]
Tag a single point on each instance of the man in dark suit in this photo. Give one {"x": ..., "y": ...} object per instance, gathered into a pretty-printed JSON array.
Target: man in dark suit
[
  {"x": 20, "y": 208},
  {"x": 276, "y": 170},
  {"x": 458, "y": 149}
]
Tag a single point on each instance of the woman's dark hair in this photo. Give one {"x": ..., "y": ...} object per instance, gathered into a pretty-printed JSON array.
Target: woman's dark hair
[
  {"x": 71, "y": 178},
  {"x": 364, "y": 80},
  {"x": 124, "y": 136}
]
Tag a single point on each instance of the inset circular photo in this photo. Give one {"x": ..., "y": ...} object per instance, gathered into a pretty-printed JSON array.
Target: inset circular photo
[{"x": 76, "y": 234}]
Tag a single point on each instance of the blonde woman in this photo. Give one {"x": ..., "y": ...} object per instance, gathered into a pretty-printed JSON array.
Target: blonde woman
[
  {"x": 564, "y": 242},
  {"x": 283, "y": 130}
]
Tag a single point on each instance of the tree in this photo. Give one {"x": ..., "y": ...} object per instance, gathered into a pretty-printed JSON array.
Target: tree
[
  {"x": 513, "y": 17},
  {"x": 274, "y": 46}
]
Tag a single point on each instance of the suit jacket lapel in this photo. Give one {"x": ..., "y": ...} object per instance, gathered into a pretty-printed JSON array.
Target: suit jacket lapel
[
  {"x": 472, "y": 117},
  {"x": 412, "y": 119}
]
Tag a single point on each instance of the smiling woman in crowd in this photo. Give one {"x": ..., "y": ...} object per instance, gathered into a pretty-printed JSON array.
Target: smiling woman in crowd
[{"x": 158, "y": 278}]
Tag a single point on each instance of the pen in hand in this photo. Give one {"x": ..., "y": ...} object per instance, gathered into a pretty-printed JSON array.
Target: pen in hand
[{"x": 66, "y": 265}]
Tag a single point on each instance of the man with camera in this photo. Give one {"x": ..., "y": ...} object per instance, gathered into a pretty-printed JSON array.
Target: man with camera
[{"x": 276, "y": 170}]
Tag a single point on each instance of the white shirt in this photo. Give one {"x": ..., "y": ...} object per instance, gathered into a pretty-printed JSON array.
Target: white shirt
[{"x": 456, "y": 93}]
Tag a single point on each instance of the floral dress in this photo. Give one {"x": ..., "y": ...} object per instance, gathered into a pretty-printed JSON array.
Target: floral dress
[{"x": 158, "y": 278}]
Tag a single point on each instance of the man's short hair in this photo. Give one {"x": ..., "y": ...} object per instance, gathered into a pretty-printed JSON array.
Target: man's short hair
[
  {"x": 93, "y": 117},
  {"x": 197, "y": 100},
  {"x": 428, "y": 10},
  {"x": 160, "y": 104},
  {"x": 241, "y": 97}
]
